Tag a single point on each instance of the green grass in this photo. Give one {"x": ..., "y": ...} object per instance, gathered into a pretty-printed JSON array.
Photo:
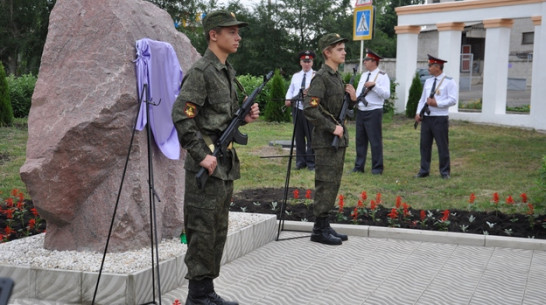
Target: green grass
[
  {"x": 484, "y": 160},
  {"x": 13, "y": 142}
]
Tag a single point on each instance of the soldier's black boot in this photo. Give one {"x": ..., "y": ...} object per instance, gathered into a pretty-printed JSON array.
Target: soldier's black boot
[
  {"x": 321, "y": 233},
  {"x": 198, "y": 293},
  {"x": 215, "y": 298},
  {"x": 343, "y": 237}
]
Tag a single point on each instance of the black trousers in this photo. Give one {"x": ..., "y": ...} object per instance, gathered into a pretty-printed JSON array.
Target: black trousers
[
  {"x": 304, "y": 153},
  {"x": 369, "y": 129},
  {"x": 435, "y": 128}
]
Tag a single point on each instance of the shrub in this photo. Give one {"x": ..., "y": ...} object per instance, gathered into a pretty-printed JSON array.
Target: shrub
[
  {"x": 388, "y": 106},
  {"x": 21, "y": 89},
  {"x": 275, "y": 111},
  {"x": 415, "y": 92},
  {"x": 250, "y": 83},
  {"x": 6, "y": 112}
]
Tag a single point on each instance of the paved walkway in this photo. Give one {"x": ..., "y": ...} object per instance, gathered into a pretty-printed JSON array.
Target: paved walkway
[{"x": 364, "y": 270}]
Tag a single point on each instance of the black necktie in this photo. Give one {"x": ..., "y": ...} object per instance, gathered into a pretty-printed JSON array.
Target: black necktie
[
  {"x": 368, "y": 78},
  {"x": 303, "y": 81},
  {"x": 433, "y": 88}
]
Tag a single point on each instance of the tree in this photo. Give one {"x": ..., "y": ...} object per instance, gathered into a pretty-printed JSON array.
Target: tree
[
  {"x": 415, "y": 91},
  {"x": 274, "y": 109},
  {"x": 23, "y": 31},
  {"x": 6, "y": 112}
]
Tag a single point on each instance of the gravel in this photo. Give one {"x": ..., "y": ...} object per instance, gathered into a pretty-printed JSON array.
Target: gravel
[{"x": 29, "y": 252}]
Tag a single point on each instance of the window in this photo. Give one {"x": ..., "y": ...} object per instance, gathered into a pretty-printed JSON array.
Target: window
[{"x": 528, "y": 38}]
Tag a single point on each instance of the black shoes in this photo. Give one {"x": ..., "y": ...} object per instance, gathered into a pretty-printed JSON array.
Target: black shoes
[
  {"x": 202, "y": 293},
  {"x": 421, "y": 175},
  {"x": 446, "y": 176},
  {"x": 357, "y": 170},
  {"x": 322, "y": 233}
]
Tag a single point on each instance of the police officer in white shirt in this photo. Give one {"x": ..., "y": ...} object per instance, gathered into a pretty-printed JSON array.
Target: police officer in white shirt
[
  {"x": 439, "y": 93},
  {"x": 294, "y": 97},
  {"x": 373, "y": 89}
]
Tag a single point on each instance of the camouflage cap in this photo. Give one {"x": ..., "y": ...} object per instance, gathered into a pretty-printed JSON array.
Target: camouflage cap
[
  {"x": 221, "y": 18},
  {"x": 330, "y": 39}
]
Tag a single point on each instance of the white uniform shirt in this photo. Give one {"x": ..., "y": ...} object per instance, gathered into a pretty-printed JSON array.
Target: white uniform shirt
[
  {"x": 379, "y": 93},
  {"x": 295, "y": 85},
  {"x": 446, "y": 94}
]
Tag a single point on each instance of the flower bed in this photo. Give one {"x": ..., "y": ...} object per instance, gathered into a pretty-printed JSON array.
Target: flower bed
[{"x": 522, "y": 221}]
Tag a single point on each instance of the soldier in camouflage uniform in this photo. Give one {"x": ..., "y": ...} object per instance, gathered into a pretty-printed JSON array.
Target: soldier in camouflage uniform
[
  {"x": 322, "y": 106},
  {"x": 204, "y": 108}
]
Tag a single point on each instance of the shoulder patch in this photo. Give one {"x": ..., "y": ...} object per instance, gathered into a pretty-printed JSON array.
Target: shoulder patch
[
  {"x": 315, "y": 101},
  {"x": 382, "y": 72},
  {"x": 447, "y": 77},
  {"x": 190, "y": 110}
]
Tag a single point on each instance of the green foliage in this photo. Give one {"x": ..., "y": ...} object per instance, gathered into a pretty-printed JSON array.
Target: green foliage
[
  {"x": 275, "y": 111},
  {"x": 415, "y": 92},
  {"x": 21, "y": 89},
  {"x": 388, "y": 106},
  {"x": 250, "y": 83},
  {"x": 6, "y": 112}
]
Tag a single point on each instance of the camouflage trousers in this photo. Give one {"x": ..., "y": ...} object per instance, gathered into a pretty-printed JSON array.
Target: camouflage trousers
[
  {"x": 328, "y": 172},
  {"x": 206, "y": 215}
]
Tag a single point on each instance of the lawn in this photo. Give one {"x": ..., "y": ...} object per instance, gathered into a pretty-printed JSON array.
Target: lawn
[{"x": 484, "y": 160}]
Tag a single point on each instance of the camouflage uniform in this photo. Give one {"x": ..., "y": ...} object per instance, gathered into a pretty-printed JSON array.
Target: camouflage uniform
[
  {"x": 204, "y": 108},
  {"x": 322, "y": 105}
]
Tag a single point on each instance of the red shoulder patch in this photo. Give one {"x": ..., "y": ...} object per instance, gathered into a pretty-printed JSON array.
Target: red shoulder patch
[{"x": 190, "y": 110}]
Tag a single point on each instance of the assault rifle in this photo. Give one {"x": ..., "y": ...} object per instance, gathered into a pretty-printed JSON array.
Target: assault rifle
[
  {"x": 424, "y": 110},
  {"x": 232, "y": 133},
  {"x": 344, "y": 110},
  {"x": 362, "y": 96}
]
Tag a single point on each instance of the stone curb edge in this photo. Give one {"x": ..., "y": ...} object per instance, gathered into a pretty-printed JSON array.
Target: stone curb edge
[{"x": 426, "y": 236}]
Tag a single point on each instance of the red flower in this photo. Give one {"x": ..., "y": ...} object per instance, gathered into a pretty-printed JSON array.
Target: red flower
[
  {"x": 373, "y": 205},
  {"x": 360, "y": 205},
  {"x": 9, "y": 202},
  {"x": 509, "y": 200},
  {"x": 405, "y": 206},
  {"x": 8, "y": 230},
  {"x": 20, "y": 205},
  {"x": 363, "y": 195},
  {"x": 341, "y": 203},
  {"x": 378, "y": 198},
  {"x": 398, "y": 201},
  {"x": 32, "y": 223},
  {"x": 308, "y": 194},
  {"x": 355, "y": 214},
  {"x": 423, "y": 215},
  {"x": 496, "y": 198},
  {"x": 393, "y": 214},
  {"x": 296, "y": 194},
  {"x": 14, "y": 192},
  {"x": 9, "y": 214},
  {"x": 472, "y": 198},
  {"x": 21, "y": 196},
  {"x": 34, "y": 211},
  {"x": 445, "y": 215},
  {"x": 523, "y": 197}
]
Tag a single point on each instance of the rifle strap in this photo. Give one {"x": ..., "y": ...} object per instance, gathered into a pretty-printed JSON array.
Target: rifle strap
[
  {"x": 438, "y": 87},
  {"x": 328, "y": 114},
  {"x": 240, "y": 86}
]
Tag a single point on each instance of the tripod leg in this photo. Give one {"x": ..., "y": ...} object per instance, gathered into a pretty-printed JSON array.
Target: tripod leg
[{"x": 287, "y": 179}]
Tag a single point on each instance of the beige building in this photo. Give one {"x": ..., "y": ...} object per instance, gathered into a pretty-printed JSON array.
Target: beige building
[{"x": 492, "y": 42}]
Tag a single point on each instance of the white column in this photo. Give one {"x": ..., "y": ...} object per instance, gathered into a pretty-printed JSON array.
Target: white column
[
  {"x": 495, "y": 70},
  {"x": 449, "y": 48},
  {"x": 406, "y": 62},
  {"x": 538, "y": 90}
]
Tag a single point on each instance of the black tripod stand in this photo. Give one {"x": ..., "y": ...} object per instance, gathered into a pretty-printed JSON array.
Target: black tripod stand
[
  {"x": 289, "y": 167},
  {"x": 152, "y": 196}
]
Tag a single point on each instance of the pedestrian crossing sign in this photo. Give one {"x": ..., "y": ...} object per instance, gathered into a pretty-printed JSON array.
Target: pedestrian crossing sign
[{"x": 363, "y": 23}]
